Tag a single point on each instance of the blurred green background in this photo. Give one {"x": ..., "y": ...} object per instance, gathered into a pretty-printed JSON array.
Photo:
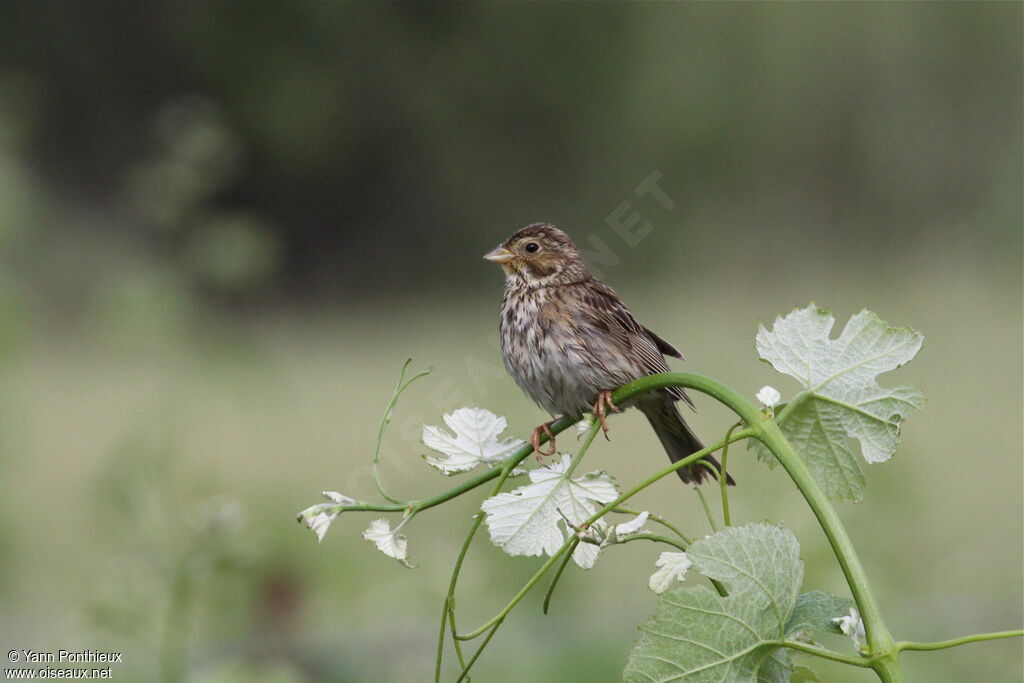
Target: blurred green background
[{"x": 223, "y": 227}]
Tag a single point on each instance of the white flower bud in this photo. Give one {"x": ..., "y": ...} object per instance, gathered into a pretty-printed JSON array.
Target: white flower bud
[{"x": 769, "y": 397}]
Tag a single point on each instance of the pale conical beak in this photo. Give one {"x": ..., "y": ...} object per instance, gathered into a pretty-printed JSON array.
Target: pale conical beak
[{"x": 499, "y": 255}]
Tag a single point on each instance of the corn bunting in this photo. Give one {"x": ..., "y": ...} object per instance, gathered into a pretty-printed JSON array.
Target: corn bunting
[{"x": 568, "y": 341}]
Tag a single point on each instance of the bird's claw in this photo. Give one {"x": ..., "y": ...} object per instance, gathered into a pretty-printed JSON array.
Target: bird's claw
[
  {"x": 603, "y": 402},
  {"x": 535, "y": 441}
]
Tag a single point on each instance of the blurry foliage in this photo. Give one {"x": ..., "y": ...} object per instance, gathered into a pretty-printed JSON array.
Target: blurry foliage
[
  {"x": 193, "y": 588},
  {"x": 233, "y": 252},
  {"x": 165, "y": 551},
  {"x": 242, "y": 671},
  {"x": 305, "y": 148},
  {"x": 195, "y": 157}
]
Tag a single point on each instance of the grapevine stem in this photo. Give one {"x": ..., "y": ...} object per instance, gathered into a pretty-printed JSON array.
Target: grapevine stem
[
  {"x": 704, "y": 502},
  {"x": 825, "y": 653},
  {"x": 401, "y": 386},
  {"x": 883, "y": 649},
  {"x": 943, "y": 644},
  {"x": 656, "y": 538},
  {"x": 723, "y": 478}
]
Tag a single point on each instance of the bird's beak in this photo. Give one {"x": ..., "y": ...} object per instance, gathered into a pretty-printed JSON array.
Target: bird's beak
[{"x": 499, "y": 255}]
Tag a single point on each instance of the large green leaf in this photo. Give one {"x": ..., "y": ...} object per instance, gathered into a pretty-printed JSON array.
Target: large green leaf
[
  {"x": 695, "y": 635},
  {"x": 841, "y": 397}
]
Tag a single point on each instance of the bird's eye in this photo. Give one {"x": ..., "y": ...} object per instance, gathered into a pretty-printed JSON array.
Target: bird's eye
[{"x": 532, "y": 247}]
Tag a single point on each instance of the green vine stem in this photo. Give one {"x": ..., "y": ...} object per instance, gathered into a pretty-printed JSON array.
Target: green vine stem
[
  {"x": 448, "y": 610},
  {"x": 657, "y": 538},
  {"x": 807, "y": 648},
  {"x": 704, "y": 503},
  {"x": 554, "y": 582},
  {"x": 883, "y": 654},
  {"x": 400, "y": 386},
  {"x": 464, "y": 676},
  {"x": 569, "y": 546},
  {"x": 454, "y": 630},
  {"x": 954, "y": 642},
  {"x": 723, "y": 479}
]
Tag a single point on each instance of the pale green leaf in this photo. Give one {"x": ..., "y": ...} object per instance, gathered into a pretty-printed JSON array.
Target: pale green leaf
[
  {"x": 320, "y": 516},
  {"x": 841, "y": 397},
  {"x": 531, "y": 520},
  {"x": 815, "y": 611},
  {"x": 473, "y": 439},
  {"x": 697, "y": 636},
  {"x": 671, "y": 567},
  {"x": 853, "y": 626},
  {"x": 389, "y": 541}
]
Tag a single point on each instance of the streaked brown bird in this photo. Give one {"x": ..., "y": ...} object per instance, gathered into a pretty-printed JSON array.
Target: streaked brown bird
[{"x": 568, "y": 341}]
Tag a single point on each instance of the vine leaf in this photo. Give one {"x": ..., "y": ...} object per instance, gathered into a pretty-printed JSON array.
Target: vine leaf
[
  {"x": 671, "y": 567},
  {"x": 320, "y": 516},
  {"x": 601, "y": 535},
  {"x": 841, "y": 397},
  {"x": 532, "y": 520},
  {"x": 853, "y": 626},
  {"x": 473, "y": 440},
  {"x": 388, "y": 541},
  {"x": 817, "y": 611},
  {"x": 633, "y": 526},
  {"x": 695, "y": 635}
]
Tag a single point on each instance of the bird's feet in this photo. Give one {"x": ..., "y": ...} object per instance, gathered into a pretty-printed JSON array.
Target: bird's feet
[
  {"x": 535, "y": 441},
  {"x": 603, "y": 402}
]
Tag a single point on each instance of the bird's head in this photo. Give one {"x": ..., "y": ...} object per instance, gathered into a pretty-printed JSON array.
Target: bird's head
[{"x": 539, "y": 254}]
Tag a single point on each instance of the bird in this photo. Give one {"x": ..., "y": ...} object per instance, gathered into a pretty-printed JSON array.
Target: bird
[{"x": 568, "y": 340}]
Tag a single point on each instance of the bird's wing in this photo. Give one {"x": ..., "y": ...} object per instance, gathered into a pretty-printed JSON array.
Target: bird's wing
[
  {"x": 663, "y": 346},
  {"x": 607, "y": 312}
]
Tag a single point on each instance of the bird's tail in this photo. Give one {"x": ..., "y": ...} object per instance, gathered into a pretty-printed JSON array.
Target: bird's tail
[{"x": 677, "y": 437}]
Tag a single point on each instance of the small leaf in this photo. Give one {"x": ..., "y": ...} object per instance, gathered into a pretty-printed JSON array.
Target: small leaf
[
  {"x": 320, "y": 523},
  {"x": 473, "y": 440},
  {"x": 335, "y": 497},
  {"x": 320, "y": 516},
  {"x": 842, "y": 398},
  {"x": 585, "y": 424},
  {"x": 634, "y": 526},
  {"x": 815, "y": 611},
  {"x": 853, "y": 626},
  {"x": 529, "y": 520},
  {"x": 585, "y": 555},
  {"x": 388, "y": 542},
  {"x": 671, "y": 568},
  {"x": 696, "y": 635},
  {"x": 600, "y": 535}
]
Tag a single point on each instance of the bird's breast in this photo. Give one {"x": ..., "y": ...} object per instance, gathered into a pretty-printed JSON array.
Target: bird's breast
[{"x": 543, "y": 351}]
